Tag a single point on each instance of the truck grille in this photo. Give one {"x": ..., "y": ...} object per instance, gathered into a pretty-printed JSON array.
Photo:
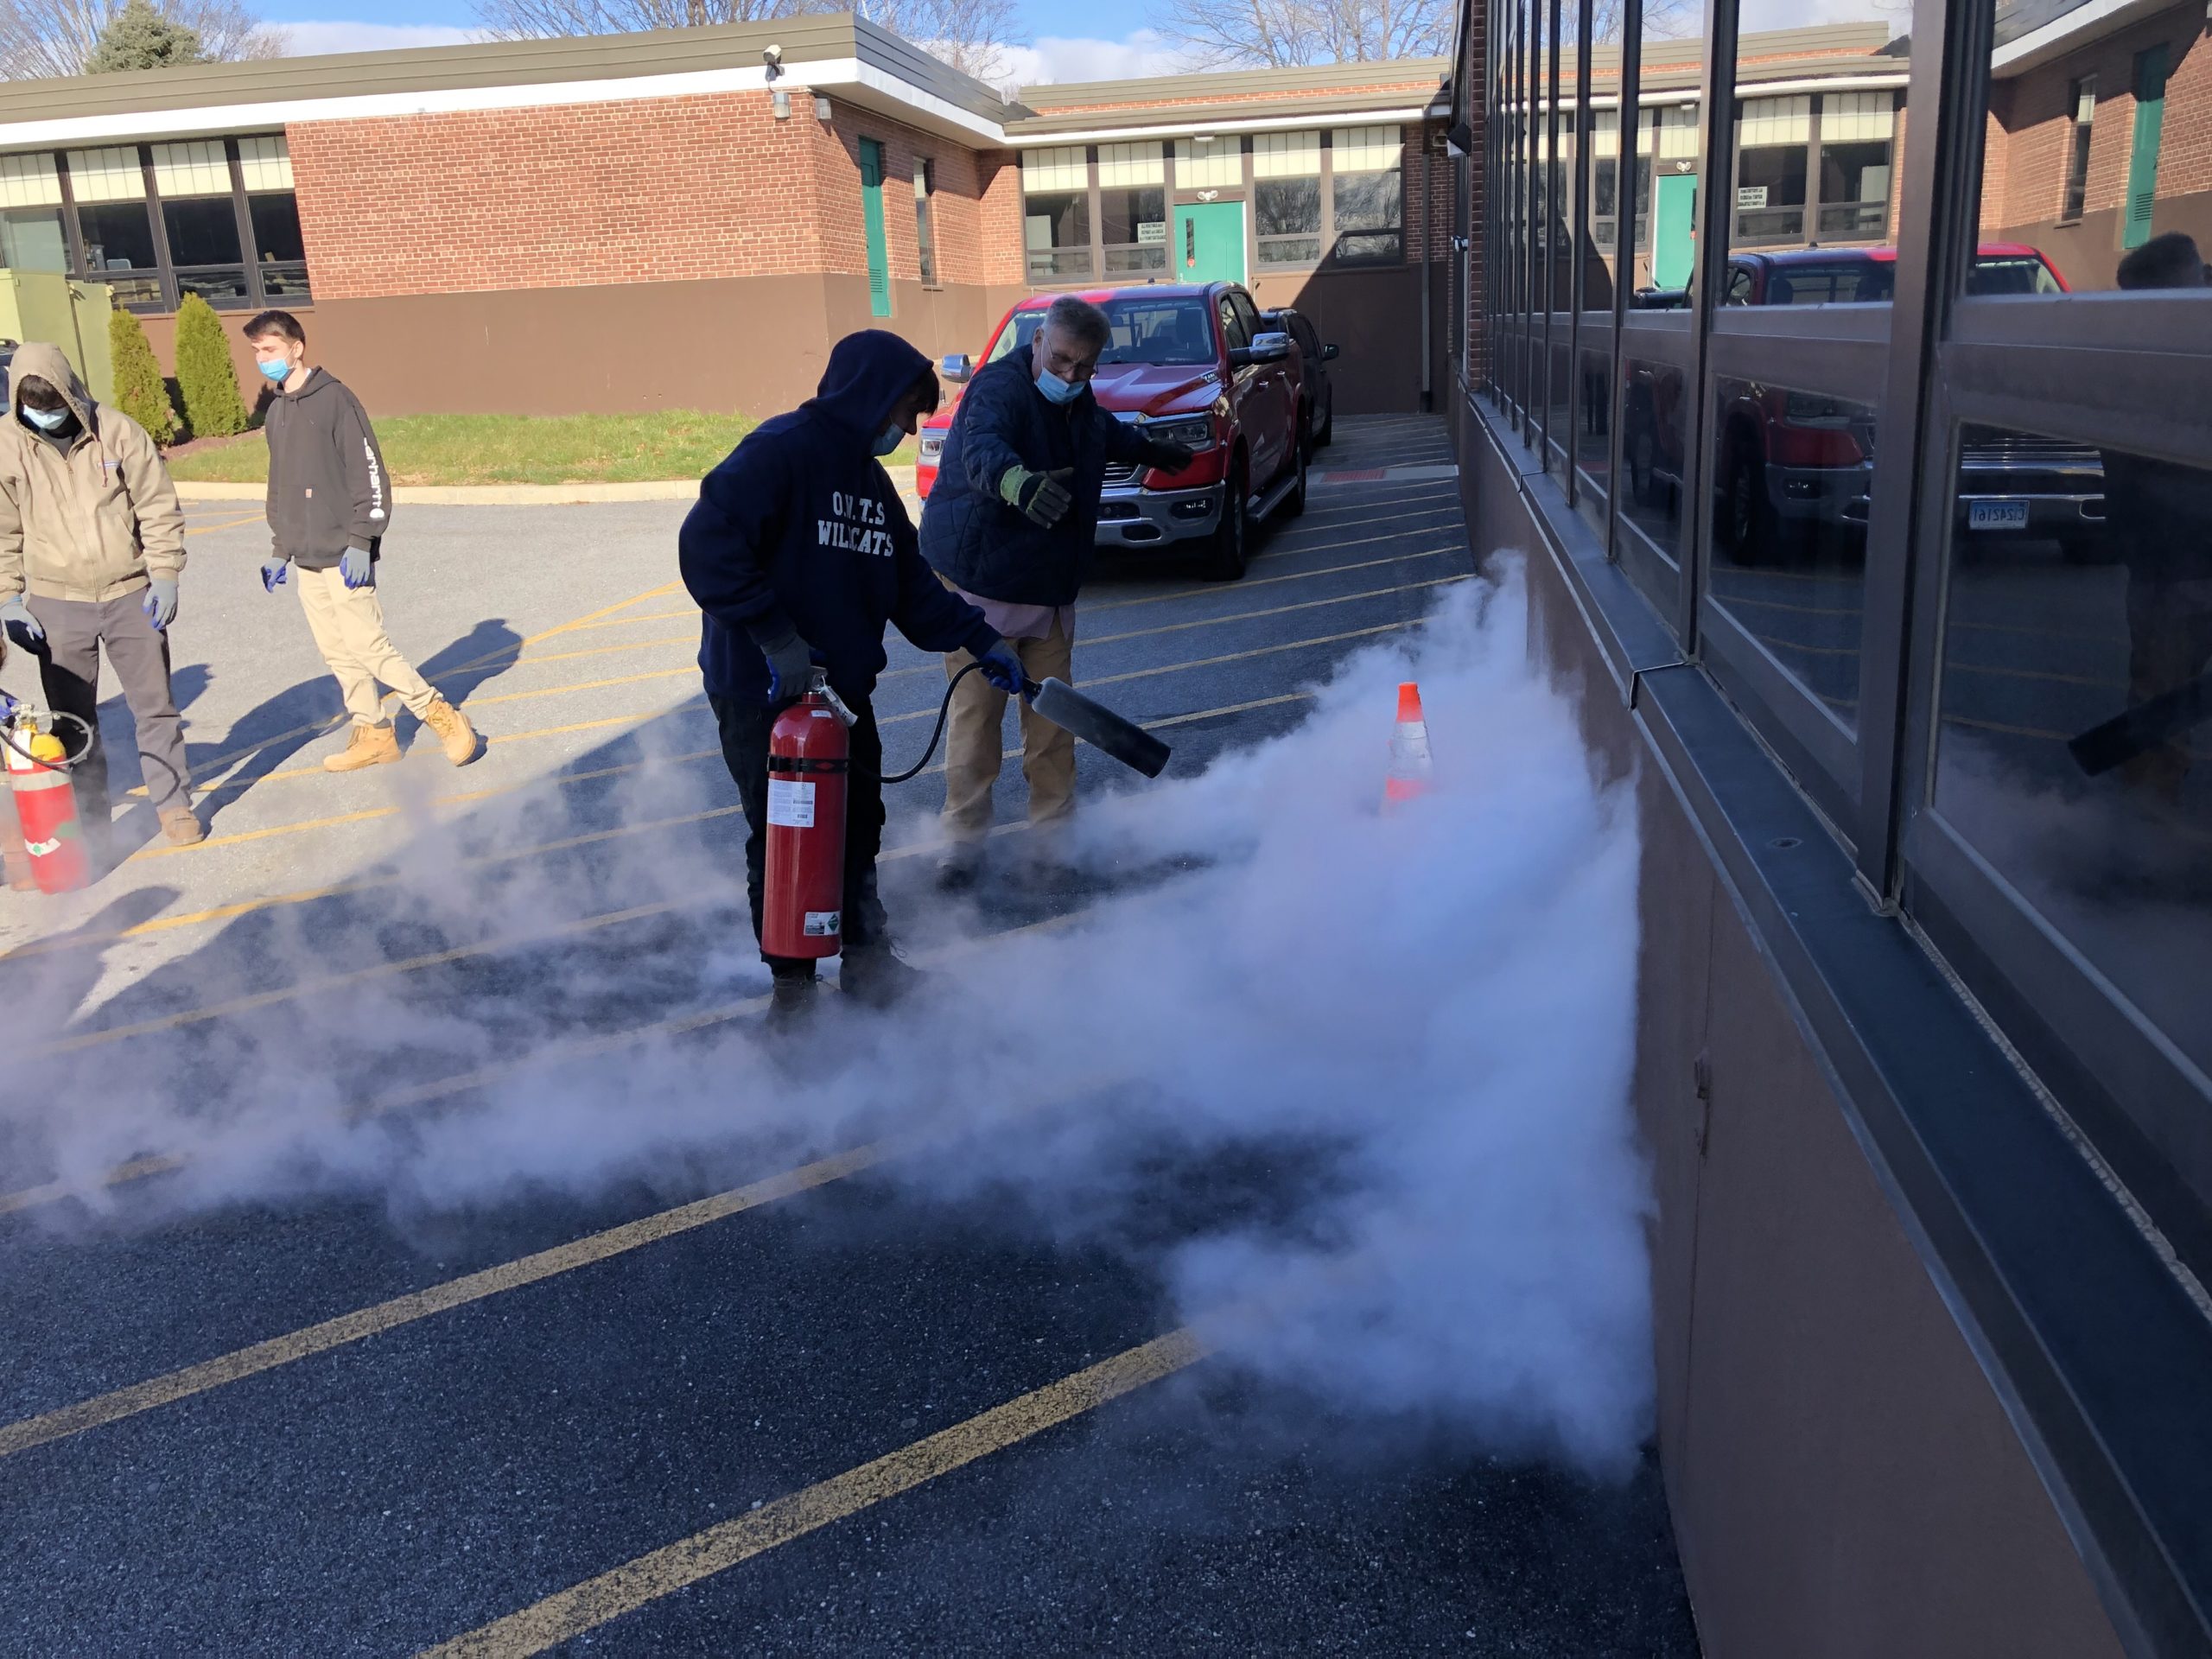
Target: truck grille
[{"x": 1120, "y": 473}]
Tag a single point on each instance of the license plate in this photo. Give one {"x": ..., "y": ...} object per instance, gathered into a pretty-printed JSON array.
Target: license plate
[{"x": 1997, "y": 515}]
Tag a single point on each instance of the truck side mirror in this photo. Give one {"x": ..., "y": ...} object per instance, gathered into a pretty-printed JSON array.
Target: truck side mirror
[
  {"x": 1269, "y": 348},
  {"x": 1328, "y": 354},
  {"x": 957, "y": 370}
]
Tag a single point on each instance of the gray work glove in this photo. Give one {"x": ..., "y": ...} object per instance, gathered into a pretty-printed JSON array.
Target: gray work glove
[
  {"x": 160, "y": 603},
  {"x": 1041, "y": 497},
  {"x": 1169, "y": 456},
  {"x": 22, "y": 627},
  {"x": 790, "y": 664}
]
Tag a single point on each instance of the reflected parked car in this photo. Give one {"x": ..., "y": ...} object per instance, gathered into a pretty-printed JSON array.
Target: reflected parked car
[
  {"x": 1320, "y": 410},
  {"x": 1793, "y": 465}
]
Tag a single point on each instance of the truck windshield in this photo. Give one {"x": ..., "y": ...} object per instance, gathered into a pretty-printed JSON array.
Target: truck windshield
[{"x": 1146, "y": 330}]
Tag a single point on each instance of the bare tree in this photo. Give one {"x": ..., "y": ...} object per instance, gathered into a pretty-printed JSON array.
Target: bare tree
[
  {"x": 39, "y": 38},
  {"x": 1289, "y": 34},
  {"x": 971, "y": 36}
]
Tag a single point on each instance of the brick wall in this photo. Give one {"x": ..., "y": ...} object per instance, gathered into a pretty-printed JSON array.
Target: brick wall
[
  {"x": 2031, "y": 128},
  {"x": 655, "y": 189}
]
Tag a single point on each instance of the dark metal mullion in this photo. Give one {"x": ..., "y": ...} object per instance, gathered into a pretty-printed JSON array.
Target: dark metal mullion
[
  {"x": 1632, "y": 89},
  {"x": 1551, "y": 232},
  {"x": 1092, "y": 200},
  {"x": 1578, "y": 276},
  {"x": 164, "y": 267},
  {"x": 1493, "y": 129},
  {"x": 70, "y": 228},
  {"x": 1815, "y": 118},
  {"x": 248, "y": 250},
  {"x": 1908, "y": 513},
  {"x": 1532, "y": 46},
  {"x": 1708, "y": 280},
  {"x": 1515, "y": 402}
]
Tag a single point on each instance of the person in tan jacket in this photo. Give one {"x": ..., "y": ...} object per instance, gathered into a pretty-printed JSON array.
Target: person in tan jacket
[{"x": 92, "y": 546}]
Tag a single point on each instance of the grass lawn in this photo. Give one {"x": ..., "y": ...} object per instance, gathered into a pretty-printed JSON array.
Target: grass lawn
[{"x": 425, "y": 449}]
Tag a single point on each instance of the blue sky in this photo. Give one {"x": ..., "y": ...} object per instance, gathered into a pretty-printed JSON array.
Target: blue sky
[{"x": 1068, "y": 44}]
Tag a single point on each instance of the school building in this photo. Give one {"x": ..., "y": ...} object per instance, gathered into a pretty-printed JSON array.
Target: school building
[{"x": 690, "y": 218}]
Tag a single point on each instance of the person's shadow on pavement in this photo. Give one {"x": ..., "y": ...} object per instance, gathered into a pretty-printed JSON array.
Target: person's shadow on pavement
[{"x": 306, "y": 713}]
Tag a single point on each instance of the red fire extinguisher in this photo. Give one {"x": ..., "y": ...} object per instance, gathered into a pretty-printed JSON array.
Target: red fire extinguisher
[
  {"x": 802, "y": 901},
  {"x": 38, "y": 774}
]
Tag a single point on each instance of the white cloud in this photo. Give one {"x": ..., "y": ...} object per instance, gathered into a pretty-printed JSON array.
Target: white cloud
[
  {"x": 1063, "y": 58},
  {"x": 310, "y": 38}
]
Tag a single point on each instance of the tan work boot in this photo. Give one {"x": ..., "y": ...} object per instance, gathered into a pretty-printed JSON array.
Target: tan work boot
[
  {"x": 452, "y": 729},
  {"x": 369, "y": 746},
  {"x": 182, "y": 826}
]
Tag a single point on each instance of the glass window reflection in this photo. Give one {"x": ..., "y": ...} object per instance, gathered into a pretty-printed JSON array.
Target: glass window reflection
[
  {"x": 1793, "y": 478},
  {"x": 2075, "y": 750}
]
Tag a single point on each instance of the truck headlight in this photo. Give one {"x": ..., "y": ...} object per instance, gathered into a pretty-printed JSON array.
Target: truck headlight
[{"x": 1195, "y": 432}]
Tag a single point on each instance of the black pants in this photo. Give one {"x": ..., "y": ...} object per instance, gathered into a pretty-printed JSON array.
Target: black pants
[
  {"x": 69, "y": 671},
  {"x": 745, "y": 727}
]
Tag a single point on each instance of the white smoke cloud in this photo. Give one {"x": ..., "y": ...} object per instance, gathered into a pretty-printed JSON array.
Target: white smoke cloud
[{"x": 1421, "y": 1024}]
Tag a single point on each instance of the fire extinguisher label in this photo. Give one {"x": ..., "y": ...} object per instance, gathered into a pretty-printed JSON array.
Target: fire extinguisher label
[
  {"x": 823, "y": 924},
  {"x": 792, "y": 805}
]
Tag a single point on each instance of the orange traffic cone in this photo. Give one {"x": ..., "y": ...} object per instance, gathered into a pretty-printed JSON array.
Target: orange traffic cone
[{"x": 1412, "y": 768}]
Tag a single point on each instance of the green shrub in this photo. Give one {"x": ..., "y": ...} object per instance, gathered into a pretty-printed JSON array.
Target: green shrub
[
  {"x": 205, "y": 377},
  {"x": 139, "y": 393}
]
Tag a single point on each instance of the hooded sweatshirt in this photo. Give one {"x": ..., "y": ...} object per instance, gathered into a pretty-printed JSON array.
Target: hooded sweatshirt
[
  {"x": 800, "y": 529},
  {"x": 91, "y": 516},
  {"x": 326, "y": 487}
]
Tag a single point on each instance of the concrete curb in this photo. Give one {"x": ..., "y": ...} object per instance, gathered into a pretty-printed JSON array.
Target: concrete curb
[{"x": 511, "y": 495}]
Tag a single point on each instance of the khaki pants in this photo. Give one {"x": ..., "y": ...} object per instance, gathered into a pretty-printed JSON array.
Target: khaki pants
[
  {"x": 972, "y": 746},
  {"x": 349, "y": 627}
]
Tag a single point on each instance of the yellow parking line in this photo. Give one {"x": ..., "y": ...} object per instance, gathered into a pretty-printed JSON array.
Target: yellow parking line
[
  {"x": 374, "y": 1321},
  {"x": 138, "y": 1169},
  {"x": 690, "y": 614},
  {"x": 231, "y": 524},
  {"x": 692, "y": 639},
  {"x": 587, "y": 618},
  {"x": 674, "y": 1566},
  {"x": 692, "y": 669},
  {"x": 1270, "y": 581}
]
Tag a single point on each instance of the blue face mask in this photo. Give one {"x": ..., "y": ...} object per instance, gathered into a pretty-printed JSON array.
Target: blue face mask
[
  {"x": 1056, "y": 389},
  {"x": 276, "y": 373},
  {"x": 887, "y": 440},
  {"x": 47, "y": 419}
]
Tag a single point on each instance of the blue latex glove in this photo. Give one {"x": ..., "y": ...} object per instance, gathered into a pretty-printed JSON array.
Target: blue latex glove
[
  {"x": 160, "y": 603},
  {"x": 272, "y": 573},
  {"x": 358, "y": 568},
  {"x": 1002, "y": 668},
  {"x": 22, "y": 627}
]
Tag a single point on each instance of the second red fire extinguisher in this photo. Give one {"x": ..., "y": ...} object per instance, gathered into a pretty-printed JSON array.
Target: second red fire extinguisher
[{"x": 802, "y": 903}]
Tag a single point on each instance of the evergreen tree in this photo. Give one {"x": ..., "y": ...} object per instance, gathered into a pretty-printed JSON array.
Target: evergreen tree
[
  {"x": 139, "y": 393},
  {"x": 139, "y": 37},
  {"x": 213, "y": 406}
]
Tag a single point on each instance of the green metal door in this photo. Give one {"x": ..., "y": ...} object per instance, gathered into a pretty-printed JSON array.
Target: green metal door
[
  {"x": 1209, "y": 245},
  {"x": 2143, "y": 158},
  {"x": 1674, "y": 218},
  {"x": 879, "y": 256}
]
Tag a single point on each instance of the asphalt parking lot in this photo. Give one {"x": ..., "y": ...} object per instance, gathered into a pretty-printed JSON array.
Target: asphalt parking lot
[{"x": 348, "y": 1312}]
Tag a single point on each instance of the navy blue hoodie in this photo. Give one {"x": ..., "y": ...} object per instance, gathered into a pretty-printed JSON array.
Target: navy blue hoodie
[{"x": 799, "y": 526}]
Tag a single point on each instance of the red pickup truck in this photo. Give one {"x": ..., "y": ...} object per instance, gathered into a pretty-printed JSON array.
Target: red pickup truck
[{"x": 1194, "y": 364}]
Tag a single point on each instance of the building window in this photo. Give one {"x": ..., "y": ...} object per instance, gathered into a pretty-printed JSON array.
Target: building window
[
  {"x": 2081, "y": 99},
  {"x": 924, "y": 220},
  {"x": 1856, "y": 129},
  {"x": 1056, "y": 212},
  {"x": 201, "y": 220},
  {"x": 265, "y": 169},
  {"x": 1132, "y": 208},
  {"x": 110, "y": 185},
  {"x": 1606, "y": 179},
  {"x": 31, "y": 233},
  {"x": 1286, "y": 197},
  {"x": 1209, "y": 164},
  {"x": 1773, "y": 141},
  {"x": 1365, "y": 194}
]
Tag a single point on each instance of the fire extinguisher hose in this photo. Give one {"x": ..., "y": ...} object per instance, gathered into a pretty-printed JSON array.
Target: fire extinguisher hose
[{"x": 944, "y": 710}]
